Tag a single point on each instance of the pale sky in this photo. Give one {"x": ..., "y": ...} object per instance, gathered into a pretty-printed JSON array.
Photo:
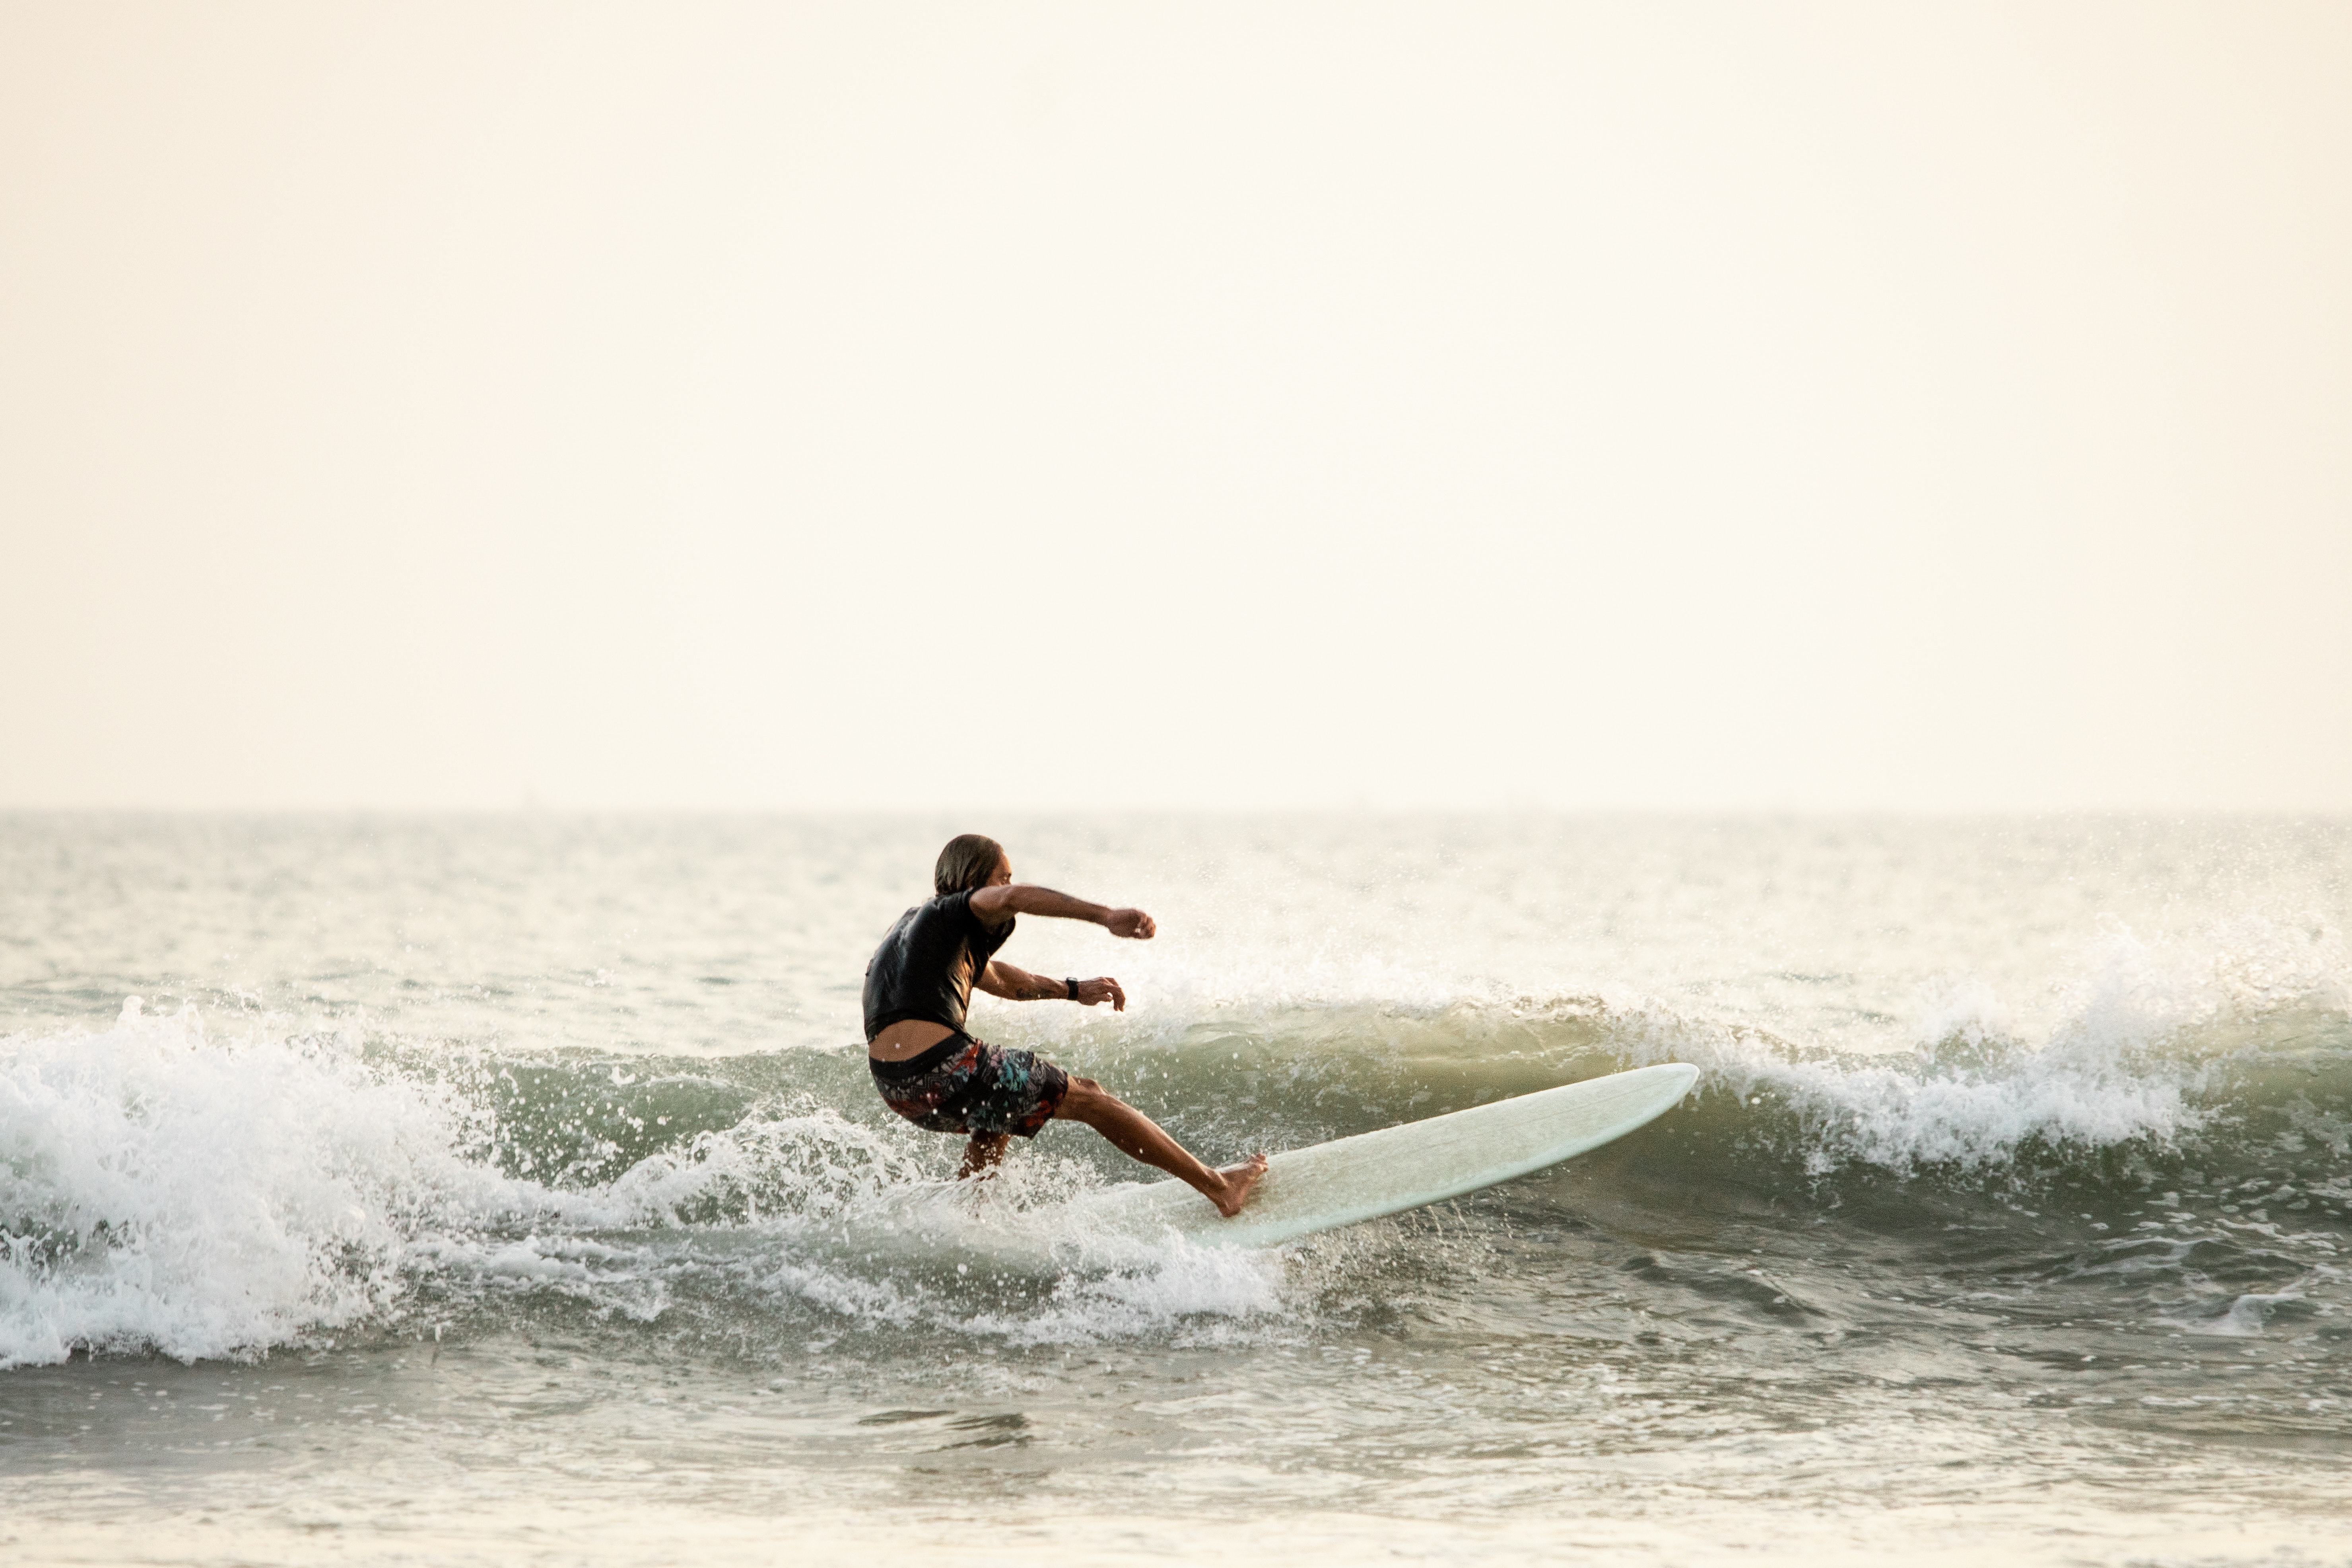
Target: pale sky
[{"x": 1675, "y": 406}]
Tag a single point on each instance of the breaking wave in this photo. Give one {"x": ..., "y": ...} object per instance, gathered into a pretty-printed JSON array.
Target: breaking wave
[{"x": 163, "y": 1188}]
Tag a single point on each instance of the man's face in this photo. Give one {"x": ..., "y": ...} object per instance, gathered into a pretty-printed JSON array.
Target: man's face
[{"x": 1002, "y": 875}]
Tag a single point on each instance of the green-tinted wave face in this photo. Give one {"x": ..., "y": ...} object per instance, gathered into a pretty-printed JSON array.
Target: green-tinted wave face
[
  {"x": 2219, "y": 1098},
  {"x": 2142, "y": 1165}
]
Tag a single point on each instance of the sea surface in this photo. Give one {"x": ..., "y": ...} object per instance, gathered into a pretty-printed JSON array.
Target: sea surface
[{"x": 510, "y": 1189}]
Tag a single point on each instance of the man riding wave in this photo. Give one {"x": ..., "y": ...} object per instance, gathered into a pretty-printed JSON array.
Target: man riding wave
[{"x": 919, "y": 985}]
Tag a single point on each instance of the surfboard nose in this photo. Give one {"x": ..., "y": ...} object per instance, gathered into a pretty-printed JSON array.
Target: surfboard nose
[{"x": 1661, "y": 1078}]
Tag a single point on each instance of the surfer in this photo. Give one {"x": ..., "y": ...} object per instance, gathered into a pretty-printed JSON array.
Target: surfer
[{"x": 918, "y": 984}]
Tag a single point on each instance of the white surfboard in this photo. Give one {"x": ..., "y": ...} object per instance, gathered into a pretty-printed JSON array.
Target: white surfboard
[{"x": 1350, "y": 1180}]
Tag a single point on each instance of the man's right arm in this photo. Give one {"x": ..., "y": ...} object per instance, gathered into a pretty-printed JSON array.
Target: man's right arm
[{"x": 993, "y": 904}]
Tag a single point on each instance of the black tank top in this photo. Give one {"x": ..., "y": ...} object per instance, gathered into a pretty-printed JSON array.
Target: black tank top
[{"x": 925, "y": 967}]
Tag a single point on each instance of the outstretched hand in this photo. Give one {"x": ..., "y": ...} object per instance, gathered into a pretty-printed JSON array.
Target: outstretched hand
[
  {"x": 1086, "y": 992},
  {"x": 1133, "y": 923}
]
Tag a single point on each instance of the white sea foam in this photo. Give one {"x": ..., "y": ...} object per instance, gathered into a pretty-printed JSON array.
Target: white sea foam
[
  {"x": 2134, "y": 1048},
  {"x": 1151, "y": 1289},
  {"x": 163, "y": 1189},
  {"x": 1962, "y": 1011},
  {"x": 2244, "y": 1319},
  {"x": 1170, "y": 1284},
  {"x": 808, "y": 1161}
]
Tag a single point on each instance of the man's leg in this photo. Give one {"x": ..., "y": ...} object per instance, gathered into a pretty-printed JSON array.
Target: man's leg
[
  {"x": 981, "y": 1156},
  {"x": 1138, "y": 1137}
]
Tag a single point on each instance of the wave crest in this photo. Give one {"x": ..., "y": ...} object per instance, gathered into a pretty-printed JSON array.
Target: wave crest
[{"x": 161, "y": 1189}]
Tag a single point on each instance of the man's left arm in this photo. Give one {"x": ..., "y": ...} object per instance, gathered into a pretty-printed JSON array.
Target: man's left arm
[{"x": 1001, "y": 979}]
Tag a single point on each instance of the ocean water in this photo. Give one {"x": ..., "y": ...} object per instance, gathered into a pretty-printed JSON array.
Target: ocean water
[{"x": 510, "y": 1189}]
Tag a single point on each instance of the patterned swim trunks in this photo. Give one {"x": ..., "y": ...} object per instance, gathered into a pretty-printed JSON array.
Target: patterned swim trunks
[{"x": 963, "y": 1084}]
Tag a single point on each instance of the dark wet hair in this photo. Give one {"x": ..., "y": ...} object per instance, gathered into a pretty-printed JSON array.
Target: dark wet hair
[{"x": 967, "y": 862}]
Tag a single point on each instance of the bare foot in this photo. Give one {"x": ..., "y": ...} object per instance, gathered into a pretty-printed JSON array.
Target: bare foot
[
  {"x": 981, "y": 1156},
  {"x": 1238, "y": 1183}
]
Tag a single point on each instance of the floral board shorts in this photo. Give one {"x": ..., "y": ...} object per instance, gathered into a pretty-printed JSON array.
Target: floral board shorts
[{"x": 963, "y": 1084}]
